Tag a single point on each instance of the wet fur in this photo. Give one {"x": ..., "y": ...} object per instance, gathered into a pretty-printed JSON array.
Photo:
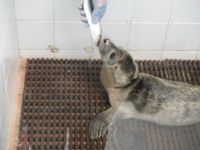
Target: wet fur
[{"x": 142, "y": 96}]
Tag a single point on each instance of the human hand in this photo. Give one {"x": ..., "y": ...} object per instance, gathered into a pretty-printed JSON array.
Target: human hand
[{"x": 98, "y": 11}]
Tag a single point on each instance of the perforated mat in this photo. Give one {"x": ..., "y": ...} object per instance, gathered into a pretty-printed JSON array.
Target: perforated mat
[{"x": 61, "y": 96}]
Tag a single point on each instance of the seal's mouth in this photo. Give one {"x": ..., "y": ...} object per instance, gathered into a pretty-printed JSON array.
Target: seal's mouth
[
  {"x": 103, "y": 43},
  {"x": 103, "y": 46}
]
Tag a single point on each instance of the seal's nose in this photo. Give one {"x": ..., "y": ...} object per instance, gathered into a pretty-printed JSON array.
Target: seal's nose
[
  {"x": 106, "y": 41},
  {"x": 103, "y": 42}
]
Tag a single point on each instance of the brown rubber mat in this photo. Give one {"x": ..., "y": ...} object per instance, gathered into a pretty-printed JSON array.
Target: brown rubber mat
[{"x": 61, "y": 96}]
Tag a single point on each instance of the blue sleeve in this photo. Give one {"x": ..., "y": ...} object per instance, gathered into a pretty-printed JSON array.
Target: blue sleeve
[{"x": 98, "y": 13}]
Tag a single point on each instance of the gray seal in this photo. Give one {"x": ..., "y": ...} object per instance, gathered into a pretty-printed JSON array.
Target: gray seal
[{"x": 141, "y": 96}]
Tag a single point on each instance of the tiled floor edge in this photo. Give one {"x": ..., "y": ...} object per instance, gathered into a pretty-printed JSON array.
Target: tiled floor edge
[{"x": 16, "y": 111}]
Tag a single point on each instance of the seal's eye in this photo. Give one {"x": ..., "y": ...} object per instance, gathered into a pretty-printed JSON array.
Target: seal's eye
[
  {"x": 112, "y": 56},
  {"x": 115, "y": 67}
]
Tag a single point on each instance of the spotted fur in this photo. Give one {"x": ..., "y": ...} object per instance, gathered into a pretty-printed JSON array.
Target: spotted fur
[{"x": 142, "y": 96}]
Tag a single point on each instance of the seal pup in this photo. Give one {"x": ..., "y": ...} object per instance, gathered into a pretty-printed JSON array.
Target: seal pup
[{"x": 141, "y": 96}]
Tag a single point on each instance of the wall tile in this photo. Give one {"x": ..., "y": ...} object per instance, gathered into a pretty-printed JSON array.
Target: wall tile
[
  {"x": 147, "y": 36},
  {"x": 73, "y": 54},
  {"x": 186, "y": 11},
  {"x": 183, "y": 37},
  {"x": 117, "y": 32},
  {"x": 179, "y": 55},
  {"x": 12, "y": 77},
  {"x": 77, "y": 54},
  {"x": 151, "y": 10},
  {"x": 72, "y": 35},
  {"x": 146, "y": 55},
  {"x": 37, "y": 54},
  {"x": 35, "y": 35},
  {"x": 6, "y": 69},
  {"x": 119, "y": 10},
  {"x": 67, "y": 10},
  {"x": 10, "y": 43},
  {"x": 34, "y": 9},
  {"x": 66, "y": 54}
]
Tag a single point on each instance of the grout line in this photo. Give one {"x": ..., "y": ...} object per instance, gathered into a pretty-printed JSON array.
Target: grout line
[
  {"x": 167, "y": 29},
  {"x": 135, "y": 22},
  {"x": 149, "y": 22},
  {"x": 54, "y": 24},
  {"x": 16, "y": 29},
  {"x": 177, "y": 23},
  {"x": 41, "y": 21},
  {"x": 129, "y": 36},
  {"x": 49, "y": 51},
  {"x": 186, "y": 23},
  {"x": 130, "y": 26},
  {"x": 76, "y": 21},
  {"x": 38, "y": 50},
  {"x": 53, "y": 17}
]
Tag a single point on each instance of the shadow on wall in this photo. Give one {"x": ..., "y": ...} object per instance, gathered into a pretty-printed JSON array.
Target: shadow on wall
[{"x": 9, "y": 60}]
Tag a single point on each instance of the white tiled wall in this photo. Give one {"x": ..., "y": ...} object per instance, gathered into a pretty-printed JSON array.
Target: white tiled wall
[
  {"x": 149, "y": 29},
  {"x": 183, "y": 37},
  {"x": 147, "y": 36},
  {"x": 9, "y": 56},
  {"x": 151, "y": 10},
  {"x": 71, "y": 36},
  {"x": 35, "y": 34}
]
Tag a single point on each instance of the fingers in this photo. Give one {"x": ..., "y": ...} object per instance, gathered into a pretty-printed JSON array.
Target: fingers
[
  {"x": 104, "y": 132},
  {"x": 82, "y": 14},
  {"x": 97, "y": 128},
  {"x": 81, "y": 9},
  {"x": 91, "y": 130},
  {"x": 98, "y": 40},
  {"x": 84, "y": 20}
]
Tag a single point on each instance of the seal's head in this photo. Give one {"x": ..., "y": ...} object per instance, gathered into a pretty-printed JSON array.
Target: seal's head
[{"x": 120, "y": 61}]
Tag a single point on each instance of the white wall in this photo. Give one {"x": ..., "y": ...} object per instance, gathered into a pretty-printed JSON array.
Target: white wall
[
  {"x": 9, "y": 56},
  {"x": 149, "y": 29}
]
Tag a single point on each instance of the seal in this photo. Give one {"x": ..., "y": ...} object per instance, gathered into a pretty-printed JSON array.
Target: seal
[{"x": 141, "y": 96}]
